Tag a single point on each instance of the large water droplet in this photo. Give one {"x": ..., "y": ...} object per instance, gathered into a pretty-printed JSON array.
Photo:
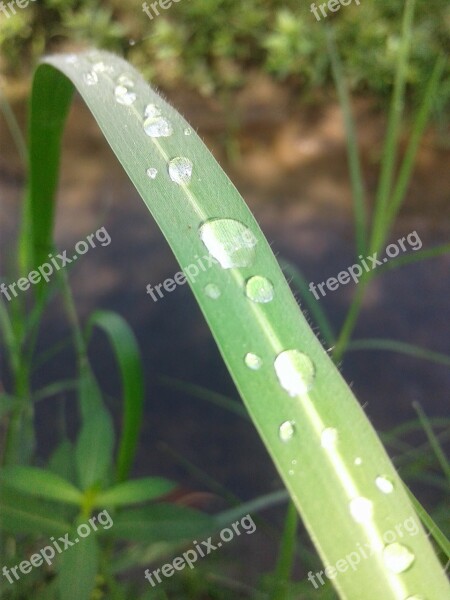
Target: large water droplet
[
  {"x": 329, "y": 438},
  {"x": 180, "y": 170},
  {"x": 295, "y": 372},
  {"x": 397, "y": 557},
  {"x": 212, "y": 291},
  {"x": 90, "y": 78},
  {"x": 156, "y": 127},
  {"x": 286, "y": 431},
  {"x": 231, "y": 243},
  {"x": 253, "y": 361},
  {"x": 259, "y": 289},
  {"x": 152, "y": 172},
  {"x": 384, "y": 484},
  {"x": 361, "y": 509},
  {"x": 151, "y": 110},
  {"x": 123, "y": 95}
]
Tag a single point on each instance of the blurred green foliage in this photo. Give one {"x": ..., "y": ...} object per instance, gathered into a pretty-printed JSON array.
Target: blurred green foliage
[{"x": 210, "y": 45}]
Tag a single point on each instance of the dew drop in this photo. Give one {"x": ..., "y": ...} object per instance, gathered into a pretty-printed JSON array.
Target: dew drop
[
  {"x": 384, "y": 484},
  {"x": 212, "y": 291},
  {"x": 253, "y": 361},
  {"x": 291, "y": 472},
  {"x": 180, "y": 170},
  {"x": 231, "y": 243},
  {"x": 361, "y": 509},
  {"x": 295, "y": 372},
  {"x": 157, "y": 127},
  {"x": 151, "y": 110},
  {"x": 188, "y": 131},
  {"x": 358, "y": 461},
  {"x": 125, "y": 80},
  {"x": 293, "y": 462},
  {"x": 329, "y": 438},
  {"x": 259, "y": 289},
  {"x": 397, "y": 557},
  {"x": 90, "y": 78},
  {"x": 152, "y": 172},
  {"x": 100, "y": 67},
  {"x": 124, "y": 96},
  {"x": 286, "y": 431}
]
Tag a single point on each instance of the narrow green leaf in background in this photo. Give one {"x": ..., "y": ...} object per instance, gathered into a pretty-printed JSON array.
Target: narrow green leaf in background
[
  {"x": 77, "y": 570},
  {"x": 41, "y": 483},
  {"x": 94, "y": 449},
  {"x": 132, "y": 492}
]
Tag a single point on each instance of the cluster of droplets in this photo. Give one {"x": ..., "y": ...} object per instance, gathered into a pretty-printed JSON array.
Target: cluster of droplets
[{"x": 124, "y": 90}]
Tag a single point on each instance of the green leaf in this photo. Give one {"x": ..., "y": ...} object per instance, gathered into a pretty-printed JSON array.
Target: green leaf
[
  {"x": 77, "y": 569},
  {"x": 94, "y": 449},
  {"x": 62, "y": 461},
  {"x": 161, "y": 523},
  {"x": 128, "y": 357},
  {"x": 132, "y": 492},
  {"x": 27, "y": 514},
  {"x": 296, "y": 383},
  {"x": 40, "y": 483}
]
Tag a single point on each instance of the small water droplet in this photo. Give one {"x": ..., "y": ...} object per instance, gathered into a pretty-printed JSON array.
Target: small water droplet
[
  {"x": 293, "y": 462},
  {"x": 90, "y": 78},
  {"x": 123, "y": 95},
  {"x": 132, "y": 42},
  {"x": 180, "y": 170},
  {"x": 384, "y": 484},
  {"x": 125, "y": 80},
  {"x": 358, "y": 461},
  {"x": 259, "y": 289},
  {"x": 231, "y": 243},
  {"x": 295, "y": 371},
  {"x": 329, "y": 438},
  {"x": 286, "y": 431},
  {"x": 253, "y": 361},
  {"x": 212, "y": 291},
  {"x": 156, "y": 127},
  {"x": 361, "y": 509},
  {"x": 71, "y": 59},
  {"x": 397, "y": 557},
  {"x": 188, "y": 131},
  {"x": 291, "y": 472},
  {"x": 100, "y": 67},
  {"x": 152, "y": 172},
  {"x": 151, "y": 110}
]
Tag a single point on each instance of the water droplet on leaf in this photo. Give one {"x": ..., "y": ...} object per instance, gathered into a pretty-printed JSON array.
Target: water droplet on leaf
[
  {"x": 259, "y": 289},
  {"x": 286, "y": 431},
  {"x": 231, "y": 243},
  {"x": 253, "y": 361},
  {"x": 295, "y": 371},
  {"x": 157, "y": 127},
  {"x": 90, "y": 78},
  {"x": 152, "y": 172},
  {"x": 151, "y": 110},
  {"x": 397, "y": 557},
  {"x": 361, "y": 509},
  {"x": 180, "y": 170},
  {"x": 384, "y": 484},
  {"x": 329, "y": 438},
  {"x": 212, "y": 291}
]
